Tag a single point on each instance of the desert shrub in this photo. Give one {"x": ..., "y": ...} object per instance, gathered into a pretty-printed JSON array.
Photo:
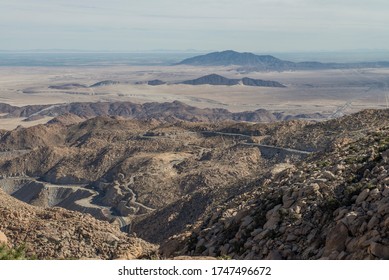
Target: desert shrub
[{"x": 7, "y": 253}]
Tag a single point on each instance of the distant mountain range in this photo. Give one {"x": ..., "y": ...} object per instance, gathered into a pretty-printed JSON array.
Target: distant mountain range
[
  {"x": 70, "y": 86},
  {"x": 173, "y": 111},
  {"x": 250, "y": 61},
  {"x": 214, "y": 79}
]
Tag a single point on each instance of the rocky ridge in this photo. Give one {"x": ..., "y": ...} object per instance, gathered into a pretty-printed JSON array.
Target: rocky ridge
[{"x": 161, "y": 111}]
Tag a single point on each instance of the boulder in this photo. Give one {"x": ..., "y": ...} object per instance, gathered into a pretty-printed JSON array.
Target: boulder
[
  {"x": 336, "y": 239},
  {"x": 3, "y": 238},
  {"x": 362, "y": 196},
  {"x": 379, "y": 250}
]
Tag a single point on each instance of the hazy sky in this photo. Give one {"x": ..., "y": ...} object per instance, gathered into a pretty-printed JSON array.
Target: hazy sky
[{"x": 244, "y": 25}]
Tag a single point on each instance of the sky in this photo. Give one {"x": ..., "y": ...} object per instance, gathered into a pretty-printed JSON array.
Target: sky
[{"x": 242, "y": 25}]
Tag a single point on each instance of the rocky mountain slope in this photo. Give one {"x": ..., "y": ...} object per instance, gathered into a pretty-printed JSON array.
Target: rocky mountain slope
[
  {"x": 56, "y": 233},
  {"x": 285, "y": 190},
  {"x": 334, "y": 205}
]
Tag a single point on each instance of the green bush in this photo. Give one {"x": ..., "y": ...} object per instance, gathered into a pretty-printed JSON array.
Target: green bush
[{"x": 17, "y": 253}]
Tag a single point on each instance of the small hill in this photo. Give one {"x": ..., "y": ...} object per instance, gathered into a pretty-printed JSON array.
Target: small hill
[
  {"x": 105, "y": 83},
  {"x": 68, "y": 86},
  {"x": 260, "y": 83},
  {"x": 156, "y": 82},
  {"x": 214, "y": 79}
]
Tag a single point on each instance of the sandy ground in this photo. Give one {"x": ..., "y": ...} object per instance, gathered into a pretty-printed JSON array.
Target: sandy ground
[
  {"x": 324, "y": 91},
  {"x": 9, "y": 124}
]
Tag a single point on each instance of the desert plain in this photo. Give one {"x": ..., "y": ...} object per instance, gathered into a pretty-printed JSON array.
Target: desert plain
[{"x": 333, "y": 92}]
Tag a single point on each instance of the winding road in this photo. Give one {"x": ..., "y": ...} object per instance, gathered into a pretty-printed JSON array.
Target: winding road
[{"x": 295, "y": 151}]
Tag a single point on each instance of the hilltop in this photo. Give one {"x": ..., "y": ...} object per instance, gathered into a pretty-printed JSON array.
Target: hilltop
[
  {"x": 253, "y": 62},
  {"x": 224, "y": 58}
]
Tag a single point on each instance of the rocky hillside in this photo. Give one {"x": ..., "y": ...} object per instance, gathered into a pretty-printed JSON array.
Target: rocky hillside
[
  {"x": 284, "y": 190},
  {"x": 334, "y": 205},
  {"x": 109, "y": 164},
  {"x": 56, "y": 233}
]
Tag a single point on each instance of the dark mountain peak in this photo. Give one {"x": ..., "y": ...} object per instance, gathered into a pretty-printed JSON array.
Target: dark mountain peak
[{"x": 230, "y": 57}]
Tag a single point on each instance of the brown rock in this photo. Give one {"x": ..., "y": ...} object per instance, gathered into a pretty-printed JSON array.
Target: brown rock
[
  {"x": 328, "y": 175},
  {"x": 170, "y": 247},
  {"x": 274, "y": 255},
  {"x": 386, "y": 191},
  {"x": 379, "y": 250},
  {"x": 373, "y": 222},
  {"x": 336, "y": 239},
  {"x": 385, "y": 155},
  {"x": 362, "y": 196},
  {"x": 3, "y": 238}
]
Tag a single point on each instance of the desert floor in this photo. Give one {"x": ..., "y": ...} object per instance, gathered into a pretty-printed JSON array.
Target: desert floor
[{"x": 331, "y": 92}]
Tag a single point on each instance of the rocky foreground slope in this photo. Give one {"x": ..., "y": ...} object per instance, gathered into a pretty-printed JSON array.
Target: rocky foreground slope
[
  {"x": 335, "y": 205},
  {"x": 56, "y": 233}
]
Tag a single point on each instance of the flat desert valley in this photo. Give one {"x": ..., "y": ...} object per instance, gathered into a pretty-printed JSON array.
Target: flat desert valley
[{"x": 330, "y": 92}]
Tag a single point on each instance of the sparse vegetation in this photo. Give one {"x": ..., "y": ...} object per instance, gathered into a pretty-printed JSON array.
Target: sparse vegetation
[{"x": 18, "y": 253}]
